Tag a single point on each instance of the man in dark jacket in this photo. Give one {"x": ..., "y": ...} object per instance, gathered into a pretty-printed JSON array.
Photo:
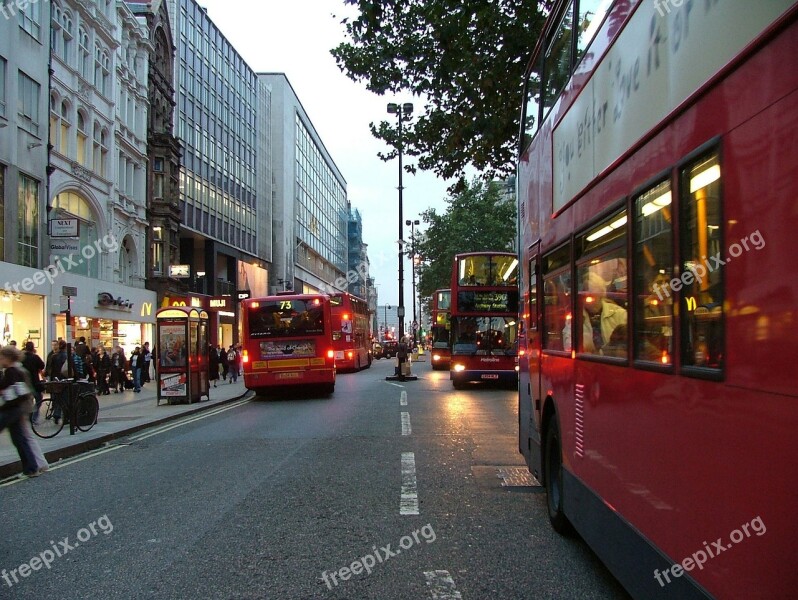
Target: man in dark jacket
[{"x": 34, "y": 365}]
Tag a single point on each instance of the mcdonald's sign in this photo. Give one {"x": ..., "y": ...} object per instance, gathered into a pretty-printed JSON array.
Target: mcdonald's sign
[
  {"x": 691, "y": 303},
  {"x": 146, "y": 309}
]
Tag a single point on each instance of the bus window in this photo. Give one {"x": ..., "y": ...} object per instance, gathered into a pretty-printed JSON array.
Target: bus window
[
  {"x": 702, "y": 294},
  {"x": 654, "y": 266},
  {"x": 602, "y": 279}
]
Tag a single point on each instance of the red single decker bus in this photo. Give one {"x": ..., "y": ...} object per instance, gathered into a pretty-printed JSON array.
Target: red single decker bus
[
  {"x": 350, "y": 332},
  {"x": 287, "y": 340},
  {"x": 441, "y": 328},
  {"x": 484, "y": 318},
  {"x": 657, "y": 182}
]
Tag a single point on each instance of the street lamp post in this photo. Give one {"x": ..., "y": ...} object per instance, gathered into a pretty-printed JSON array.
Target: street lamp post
[
  {"x": 402, "y": 112},
  {"x": 385, "y": 308},
  {"x": 412, "y": 225}
]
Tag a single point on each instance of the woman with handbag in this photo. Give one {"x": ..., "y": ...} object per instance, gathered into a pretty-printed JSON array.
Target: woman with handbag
[{"x": 16, "y": 405}]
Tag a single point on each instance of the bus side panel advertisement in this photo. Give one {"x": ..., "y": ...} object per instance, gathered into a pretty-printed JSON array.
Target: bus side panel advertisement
[{"x": 286, "y": 349}]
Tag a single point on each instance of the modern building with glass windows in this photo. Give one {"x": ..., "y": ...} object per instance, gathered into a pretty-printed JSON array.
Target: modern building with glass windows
[
  {"x": 310, "y": 209},
  {"x": 217, "y": 121},
  {"x": 24, "y": 55}
]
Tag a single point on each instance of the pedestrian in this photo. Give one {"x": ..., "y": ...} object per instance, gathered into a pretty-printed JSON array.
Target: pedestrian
[
  {"x": 16, "y": 405},
  {"x": 117, "y": 379},
  {"x": 223, "y": 360},
  {"x": 103, "y": 368},
  {"x": 213, "y": 364},
  {"x": 48, "y": 362},
  {"x": 146, "y": 357},
  {"x": 135, "y": 366},
  {"x": 34, "y": 365},
  {"x": 55, "y": 370},
  {"x": 232, "y": 361}
]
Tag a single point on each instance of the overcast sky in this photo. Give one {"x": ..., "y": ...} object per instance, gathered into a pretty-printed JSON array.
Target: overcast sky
[{"x": 295, "y": 37}]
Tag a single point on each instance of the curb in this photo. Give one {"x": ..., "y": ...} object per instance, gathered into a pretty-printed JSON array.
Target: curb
[{"x": 14, "y": 468}]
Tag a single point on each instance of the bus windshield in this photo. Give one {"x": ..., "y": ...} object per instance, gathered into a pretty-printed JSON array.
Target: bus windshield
[
  {"x": 484, "y": 335},
  {"x": 488, "y": 270},
  {"x": 286, "y": 318}
]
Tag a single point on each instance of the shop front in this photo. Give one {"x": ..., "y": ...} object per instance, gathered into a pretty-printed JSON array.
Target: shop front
[
  {"x": 109, "y": 315},
  {"x": 22, "y": 308},
  {"x": 221, "y": 312}
]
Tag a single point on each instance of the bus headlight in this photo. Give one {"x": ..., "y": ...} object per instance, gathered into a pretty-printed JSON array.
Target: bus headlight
[
  {"x": 459, "y": 368},
  {"x": 436, "y": 357}
]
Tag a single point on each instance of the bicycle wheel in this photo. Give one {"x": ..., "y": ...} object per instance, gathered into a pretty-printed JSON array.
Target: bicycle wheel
[
  {"x": 86, "y": 412},
  {"x": 44, "y": 423}
]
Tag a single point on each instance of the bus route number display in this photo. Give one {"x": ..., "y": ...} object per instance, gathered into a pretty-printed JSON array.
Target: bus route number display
[{"x": 476, "y": 302}]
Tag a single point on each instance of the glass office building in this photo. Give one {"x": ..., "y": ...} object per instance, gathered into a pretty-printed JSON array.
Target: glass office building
[{"x": 216, "y": 120}]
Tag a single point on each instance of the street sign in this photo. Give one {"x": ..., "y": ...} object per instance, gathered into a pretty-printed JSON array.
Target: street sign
[
  {"x": 180, "y": 271},
  {"x": 69, "y": 291},
  {"x": 64, "y": 228}
]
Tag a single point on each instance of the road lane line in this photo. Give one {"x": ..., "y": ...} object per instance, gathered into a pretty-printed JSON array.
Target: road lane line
[
  {"x": 406, "y": 428},
  {"x": 408, "y": 503},
  {"x": 192, "y": 419},
  {"x": 403, "y": 398},
  {"x": 441, "y": 585},
  {"x": 396, "y": 384}
]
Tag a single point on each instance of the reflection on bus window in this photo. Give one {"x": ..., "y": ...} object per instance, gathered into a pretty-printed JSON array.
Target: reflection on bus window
[
  {"x": 488, "y": 270},
  {"x": 702, "y": 294},
  {"x": 286, "y": 318},
  {"x": 654, "y": 260}
]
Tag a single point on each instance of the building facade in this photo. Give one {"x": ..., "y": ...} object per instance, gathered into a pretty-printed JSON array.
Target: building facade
[
  {"x": 163, "y": 153},
  {"x": 24, "y": 63},
  {"x": 223, "y": 240},
  {"x": 310, "y": 209},
  {"x": 98, "y": 163}
]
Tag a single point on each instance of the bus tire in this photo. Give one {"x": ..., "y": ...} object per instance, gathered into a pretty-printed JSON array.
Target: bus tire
[
  {"x": 552, "y": 472},
  {"x": 328, "y": 389},
  {"x": 458, "y": 385}
]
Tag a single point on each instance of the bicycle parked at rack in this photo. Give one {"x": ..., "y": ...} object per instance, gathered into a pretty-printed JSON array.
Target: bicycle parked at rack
[{"x": 73, "y": 402}]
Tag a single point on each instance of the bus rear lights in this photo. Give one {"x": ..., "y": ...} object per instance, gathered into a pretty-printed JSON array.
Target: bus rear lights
[
  {"x": 255, "y": 305},
  {"x": 517, "y": 368},
  {"x": 330, "y": 354},
  {"x": 459, "y": 368},
  {"x": 350, "y": 355}
]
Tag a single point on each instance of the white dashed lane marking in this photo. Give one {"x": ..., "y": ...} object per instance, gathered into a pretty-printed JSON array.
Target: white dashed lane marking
[
  {"x": 408, "y": 502},
  {"x": 441, "y": 585}
]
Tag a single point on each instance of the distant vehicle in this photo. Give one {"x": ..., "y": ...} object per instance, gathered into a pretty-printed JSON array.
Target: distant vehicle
[
  {"x": 441, "y": 327},
  {"x": 350, "y": 332},
  {"x": 287, "y": 341},
  {"x": 376, "y": 351},
  {"x": 390, "y": 348}
]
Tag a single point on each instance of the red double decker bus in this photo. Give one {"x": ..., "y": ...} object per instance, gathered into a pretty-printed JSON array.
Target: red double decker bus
[
  {"x": 287, "y": 340},
  {"x": 484, "y": 318},
  {"x": 441, "y": 328},
  {"x": 657, "y": 177},
  {"x": 350, "y": 331}
]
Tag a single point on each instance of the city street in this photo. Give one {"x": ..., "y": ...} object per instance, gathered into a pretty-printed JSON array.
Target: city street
[{"x": 278, "y": 499}]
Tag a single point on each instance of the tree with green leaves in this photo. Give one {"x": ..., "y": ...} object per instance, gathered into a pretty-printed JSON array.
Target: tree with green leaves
[
  {"x": 479, "y": 218},
  {"x": 465, "y": 58}
]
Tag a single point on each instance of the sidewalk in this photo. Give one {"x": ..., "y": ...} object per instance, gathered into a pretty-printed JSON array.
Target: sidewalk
[{"x": 120, "y": 415}]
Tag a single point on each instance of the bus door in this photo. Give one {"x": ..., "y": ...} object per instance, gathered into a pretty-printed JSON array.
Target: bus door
[{"x": 530, "y": 388}]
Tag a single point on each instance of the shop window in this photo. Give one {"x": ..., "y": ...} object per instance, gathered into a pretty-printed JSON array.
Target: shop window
[
  {"x": 602, "y": 300},
  {"x": 653, "y": 272},
  {"x": 701, "y": 280}
]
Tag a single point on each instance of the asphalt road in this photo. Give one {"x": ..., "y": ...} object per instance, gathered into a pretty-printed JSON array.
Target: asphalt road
[{"x": 302, "y": 497}]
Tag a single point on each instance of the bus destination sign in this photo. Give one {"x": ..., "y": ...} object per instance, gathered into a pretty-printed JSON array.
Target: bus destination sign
[{"x": 496, "y": 302}]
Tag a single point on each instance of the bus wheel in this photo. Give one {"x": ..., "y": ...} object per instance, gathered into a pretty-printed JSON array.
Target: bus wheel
[
  {"x": 458, "y": 385},
  {"x": 328, "y": 389},
  {"x": 552, "y": 471}
]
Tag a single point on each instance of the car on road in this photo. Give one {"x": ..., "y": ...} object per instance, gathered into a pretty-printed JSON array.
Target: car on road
[
  {"x": 377, "y": 351},
  {"x": 390, "y": 348}
]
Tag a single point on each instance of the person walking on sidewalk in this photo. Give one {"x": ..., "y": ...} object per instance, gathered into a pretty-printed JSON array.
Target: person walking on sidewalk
[
  {"x": 223, "y": 360},
  {"x": 232, "y": 361},
  {"x": 213, "y": 364},
  {"x": 34, "y": 365},
  {"x": 135, "y": 367},
  {"x": 146, "y": 357},
  {"x": 16, "y": 405},
  {"x": 103, "y": 368}
]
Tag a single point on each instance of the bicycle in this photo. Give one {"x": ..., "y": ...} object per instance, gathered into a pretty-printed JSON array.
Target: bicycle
[{"x": 78, "y": 408}]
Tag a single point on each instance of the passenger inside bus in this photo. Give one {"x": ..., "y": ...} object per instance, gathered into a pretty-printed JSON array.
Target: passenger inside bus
[{"x": 600, "y": 317}]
